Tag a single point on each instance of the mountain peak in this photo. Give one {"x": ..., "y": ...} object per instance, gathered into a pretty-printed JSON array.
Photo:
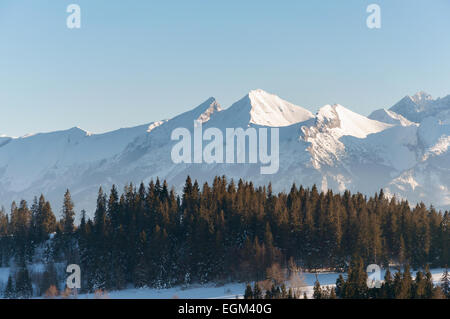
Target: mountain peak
[
  {"x": 259, "y": 92},
  {"x": 262, "y": 108},
  {"x": 415, "y": 102},
  {"x": 346, "y": 122},
  {"x": 78, "y": 129},
  {"x": 421, "y": 96},
  {"x": 415, "y": 107}
]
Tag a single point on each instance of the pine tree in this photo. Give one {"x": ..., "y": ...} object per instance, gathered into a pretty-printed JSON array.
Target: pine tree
[
  {"x": 429, "y": 287},
  {"x": 64, "y": 243},
  {"x": 20, "y": 226},
  {"x": 356, "y": 285},
  {"x": 397, "y": 284},
  {"x": 340, "y": 282},
  {"x": 257, "y": 293},
  {"x": 418, "y": 287},
  {"x": 101, "y": 253},
  {"x": 10, "y": 292},
  {"x": 23, "y": 288},
  {"x": 387, "y": 287},
  {"x": 68, "y": 213},
  {"x": 248, "y": 292},
  {"x": 4, "y": 241},
  {"x": 445, "y": 284},
  {"x": 202, "y": 234},
  {"x": 317, "y": 291},
  {"x": 141, "y": 275},
  {"x": 43, "y": 220},
  {"x": 406, "y": 285}
]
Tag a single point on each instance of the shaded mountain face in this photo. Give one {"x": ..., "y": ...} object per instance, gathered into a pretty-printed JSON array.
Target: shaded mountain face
[
  {"x": 336, "y": 148},
  {"x": 418, "y": 107},
  {"x": 4, "y": 140},
  {"x": 390, "y": 117}
]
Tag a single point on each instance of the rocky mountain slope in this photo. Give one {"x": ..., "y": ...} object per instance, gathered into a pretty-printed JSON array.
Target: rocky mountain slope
[{"x": 404, "y": 150}]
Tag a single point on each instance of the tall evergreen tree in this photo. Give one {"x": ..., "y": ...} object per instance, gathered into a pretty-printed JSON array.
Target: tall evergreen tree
[
  {"x": 445, "y": 283},
  {"x": 9, "y": 292},
  {"x": 23, "y": 287},
  {"x": 356, "y": 285},
  {"x": 317, "y": 291},
  {"x": 68, "y": 219},
  {"x": 248, "y": 292}
]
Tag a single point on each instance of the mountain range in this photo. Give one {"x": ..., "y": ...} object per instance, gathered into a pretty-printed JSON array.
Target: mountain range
[{"x": 403, "y": 149}]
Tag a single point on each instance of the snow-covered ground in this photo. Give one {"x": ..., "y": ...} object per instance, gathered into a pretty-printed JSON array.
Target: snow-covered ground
[
  {"x": 229, "y": 291},
  {"x": 211, "y": 291}
]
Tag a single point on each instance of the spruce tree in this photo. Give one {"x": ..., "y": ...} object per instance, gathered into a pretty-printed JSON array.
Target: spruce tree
[
  {"x": 339, "y": 285},
  {"x": 10, "y": 292},
  {"x": 387, "y": 288},
  {"x": 248, "y": 292},
  {"x": 68, "y": 214},
  {"x": 20, "y": 229},
  {"x": 445, "y": 284},
  {"x": 257, "y": 293},
  {"x": 397, "y": 284},
  {"x": 356, "y": 285},
  {"x": 23, "y": 287},
  {"x": 317, "y": 291},
  {"x": 406, "y": 285},
  {"x": 418, "y": 287},
  {"x": 101, "y": 253},
  {"x": 429, "y": 287},
  {"x": 202, "y": 234}
]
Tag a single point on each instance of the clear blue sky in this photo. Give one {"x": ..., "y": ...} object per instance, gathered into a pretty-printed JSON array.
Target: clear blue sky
[{"x": 134, "y": 62}]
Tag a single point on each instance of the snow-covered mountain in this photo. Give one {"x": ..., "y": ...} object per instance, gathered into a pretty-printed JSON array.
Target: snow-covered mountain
[
  {"x": 404, "y": 150},
  {"x": 390, "y": 117},
  {"x": 422, "y": 105}
]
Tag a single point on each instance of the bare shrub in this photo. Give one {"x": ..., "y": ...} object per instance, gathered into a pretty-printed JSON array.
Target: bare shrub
[
  {"x": 52, "y": 292},
  {"x": 69, "y": 293},
  {"x": 101, "y": 294},
  {"x": 276, "y": 274},
  {"x": 297, "y": 283},
  {"x": 265, "y": 285}
]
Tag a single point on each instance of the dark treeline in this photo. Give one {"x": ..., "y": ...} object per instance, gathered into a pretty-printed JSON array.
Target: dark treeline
[{"x": 149, "y": 236}]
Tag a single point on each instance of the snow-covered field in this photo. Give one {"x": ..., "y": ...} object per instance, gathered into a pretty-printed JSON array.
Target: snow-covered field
[{"x": 211, "y": 291}]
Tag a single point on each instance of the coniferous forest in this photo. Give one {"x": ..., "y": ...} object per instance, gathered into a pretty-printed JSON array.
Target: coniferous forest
[
  {"x": 149, "y": 236},
  {"x": 397, "y": 285}
]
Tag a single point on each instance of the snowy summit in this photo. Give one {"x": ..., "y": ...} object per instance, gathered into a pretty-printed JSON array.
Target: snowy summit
[{"x": 403, "y": 149}]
